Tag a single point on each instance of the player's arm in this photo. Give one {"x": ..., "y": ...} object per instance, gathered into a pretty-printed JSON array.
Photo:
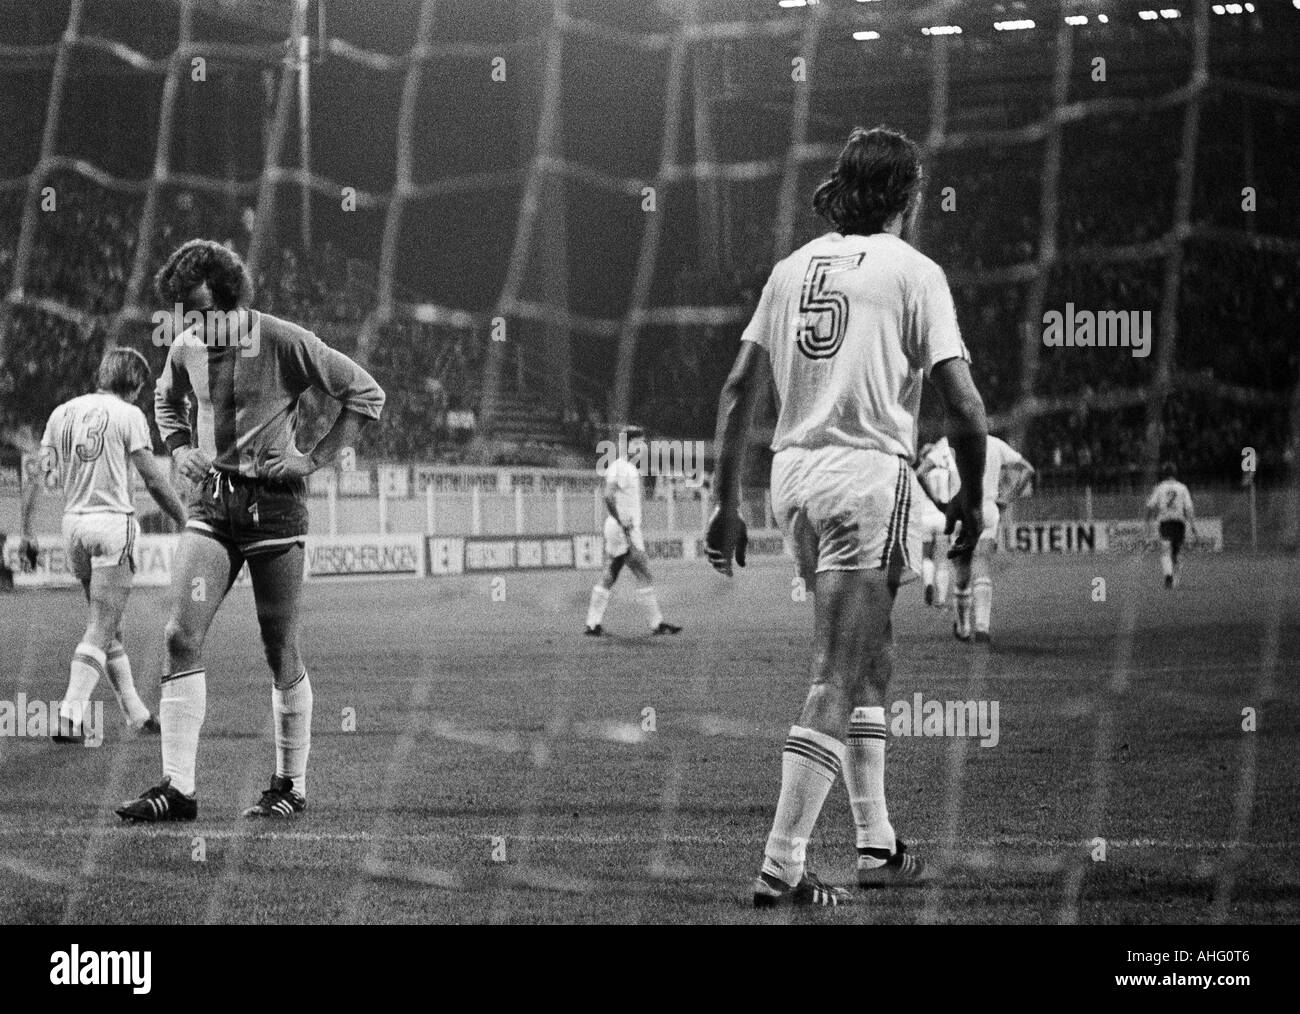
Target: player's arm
[
  {"x": 315, "y": 364},
  {"x": 749, "y": 378},
  {"x": 158, "y": 484},
  {"x": 171, "y": 411},
  {"x": 968, "y": 430},
  {"x": 611, "y": 500}
]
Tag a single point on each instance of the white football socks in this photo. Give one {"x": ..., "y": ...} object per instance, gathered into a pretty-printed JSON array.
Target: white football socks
[
  {"x": 596, "y": 607},
  {"x": 983, "y": 595},
  {"x": 961, "y": 596},
  {"x": 646, "y": 596},
  {"x": 864, "y": 776},
  {"x": 809, "y": 765},
  {"x": 292, "y": 708},
  {"x": 927, "y": 572},
  {"x": 183, "y": 704},
  {"x": 119, "y": 674},
  {"x": 86, "y": 669}
]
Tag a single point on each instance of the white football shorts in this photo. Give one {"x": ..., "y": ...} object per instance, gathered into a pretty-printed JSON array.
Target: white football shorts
[
  {"x": 99, "y": 539},
  {"x": 617, "y": 542},
  {"x": 846, "y": 508}
]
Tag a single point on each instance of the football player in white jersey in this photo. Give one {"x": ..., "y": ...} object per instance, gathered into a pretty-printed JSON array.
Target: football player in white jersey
[
  {"x": 846, "y": 328},
  {"x": 624, "y": 541},
  {"x": 1170, "y": 504},
  {"x": 934, "y": 544},
  {"x": 89, "y": 446},
  {"x": 1006, "y": 473}
]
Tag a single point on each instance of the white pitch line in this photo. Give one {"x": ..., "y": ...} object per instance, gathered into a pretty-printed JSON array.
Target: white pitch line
[{"x": 1012, "y": 841}]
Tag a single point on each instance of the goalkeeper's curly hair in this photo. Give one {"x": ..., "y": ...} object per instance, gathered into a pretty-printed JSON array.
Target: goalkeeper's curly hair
[
  {"x": 877, "y": 175},
  {"x": 200, "y": 261}
]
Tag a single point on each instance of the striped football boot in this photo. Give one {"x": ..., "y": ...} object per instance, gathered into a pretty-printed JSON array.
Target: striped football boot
[
  {"x": 279, "y": 800},
  {"x": 770, "y": 891},
  {"x": 900, "y": 869},
  {"x": 162, "y": 802}
]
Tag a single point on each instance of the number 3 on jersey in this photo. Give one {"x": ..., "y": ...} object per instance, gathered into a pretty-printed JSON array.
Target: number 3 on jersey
[
  {"x": 91, "y": 444},
  {"x": 823, "y": 310}
]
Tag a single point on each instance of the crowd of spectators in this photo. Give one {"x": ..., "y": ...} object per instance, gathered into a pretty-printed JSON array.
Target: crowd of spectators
[{"x": 1236, "y": 305}]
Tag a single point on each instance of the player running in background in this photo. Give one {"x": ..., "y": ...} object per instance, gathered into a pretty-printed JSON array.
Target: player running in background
[
  {"x": 934, "y": 544},
  {"x": 1006, "y": 473},
  {"x": 1170, "y": 504},
  {"x": 246, "y": 370},
  {"x": 624, "y": 541},
  {"x": 89, "y": 446},
  {"x": 847, "y": 326}
]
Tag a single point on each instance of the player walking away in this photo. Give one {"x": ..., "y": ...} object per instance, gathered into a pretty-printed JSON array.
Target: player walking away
[
  {"x": 1005, "y": 474},
  {"x": 934, "y": 541},
  {"x": 89, "y": 445},
  {"x": 1170, "y": 504},
  {"x": 247, "y": 505},
  {"x": 846, "y": 327},
  {"x": 624, "y": 542}
]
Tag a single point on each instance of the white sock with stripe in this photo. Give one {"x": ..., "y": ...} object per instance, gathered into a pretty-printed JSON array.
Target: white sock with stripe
[
  {"x": 864, "y": 775},
  {"x": 983, "y": 595},
  {"x": 941, "y": 577},
  {"x": 927, "y": 572},
  {"x": 119, "y": 674},
  {"x": 646, "y": 596},
  {"x": 292, "y": 708},
  {"x": 962, "y": 599},
  {"x": 809, "y": 765},
  {"x": 86, "y": 669},
  {"x": 181, "y": 709},
  {"x": 596, "y": 607}
]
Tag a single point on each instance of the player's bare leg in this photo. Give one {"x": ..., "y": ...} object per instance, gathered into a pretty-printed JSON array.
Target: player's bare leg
[
  {"x": 106, "y": 591},
  {"x": 850, "y": 625},
  {"x": 205, "y": 570},
  {"x": 639, "y": 564},
  {"x": 277, "y": 588},
  {"x": 883, "y": 860}
]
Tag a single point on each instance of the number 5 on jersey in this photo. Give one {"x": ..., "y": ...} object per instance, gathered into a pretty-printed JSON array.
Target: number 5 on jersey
[{"x": 823, "y": 310}]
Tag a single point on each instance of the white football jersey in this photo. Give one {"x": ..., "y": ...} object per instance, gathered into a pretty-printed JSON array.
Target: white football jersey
[
  {"x": 850, "y": 324},
  {"x": 1171, "y": 501},
  {"x": 623, "y": 482},
  {"x": 998, "y": 454},
  {"x": 87, "y": 447}
]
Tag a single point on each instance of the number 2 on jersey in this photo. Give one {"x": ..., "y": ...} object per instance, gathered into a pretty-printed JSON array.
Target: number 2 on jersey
[{"x": 824, "y": 311}]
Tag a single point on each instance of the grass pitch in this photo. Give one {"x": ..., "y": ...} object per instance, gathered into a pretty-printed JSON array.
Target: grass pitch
[{"x": 502, "y": 768}]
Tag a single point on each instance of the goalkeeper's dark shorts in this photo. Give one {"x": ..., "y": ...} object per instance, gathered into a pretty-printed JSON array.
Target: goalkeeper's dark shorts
[
  {"x": 250, "y": 516},
  {"x": 1173, "y": 532}
]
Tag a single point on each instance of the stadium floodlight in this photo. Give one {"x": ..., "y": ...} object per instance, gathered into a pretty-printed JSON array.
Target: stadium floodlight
[
  {"x": 1218, "y": 9},
  {"x": 1148, "y": 15},
  {"x": 1104, "y": 18},
  {"x": 1170, "y": 13},
  {"x": 792, "y": 3},
  {"x": 942, "y": 30},
  {"x": 1014, "y": 26},
  {"x": 1077, "y": 19},
  {"x": 865, "y": 36}
]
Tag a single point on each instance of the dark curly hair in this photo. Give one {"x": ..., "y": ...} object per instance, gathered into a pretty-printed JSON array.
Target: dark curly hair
[
  {"x": 877, "y": 176},
  {"x": 200, "y": 261}
]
